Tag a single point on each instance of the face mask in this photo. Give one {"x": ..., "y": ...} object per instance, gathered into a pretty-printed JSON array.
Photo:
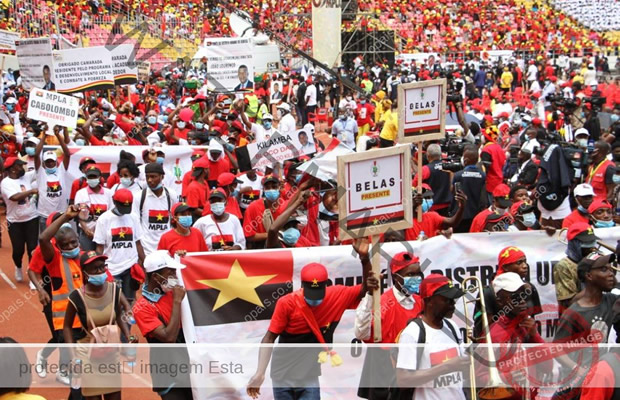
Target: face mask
[
  {"x": 279, "y": 114},
  {"x": 126, "y": 182},
  {"x": 170, "y": 283},
  {"x": 200, "y": 126},
  {"x": 160, "y": 160},
  {"x": 164, "y": 118},
  {"x": 218, "y": 208},
  {"x": 229, "y": 123},
  {"x": 342, "y": 117},
  {"x": 153, "y": 297},
  {"x": 138, "y": 120},
  {"x": 500, "y": 211},
  {"x": 235, "y": 193},
  {"x": 582, "y": 209},
  {"x": 29, "y": 134},
  {"x": 313, "y": 303},
  {"x": 229, "y": 147},
  {"x": 93, "y": 183},
  {"x": 582, "y": 142},
  {"x": 267, "y": 124},
  {"x": 614, "y": 118},
  {"x": 151, "y": 120},
  {"x": 272, "y": 195},
  {"x": 159, "y": 186},
  {"x": 98, "y": 280},
  {"x": 71, "y": 253},
  {"x": 362, "y": 101},
  {"x": 426, "y": 205},
  {"x": 80, "y": 142},
  {"x": 291, "y": 236},
  {"x": 193, "y": 142},
  {"x": 51, "y": 171},
  {"x": 529, "y": 219},
  {"x": 185, "y": 221},
  {"x": 411, "y": 284},
  {"x": 604, "y": 224},
  {"x": 30, "y": 151},
  {"x": 349, "y": 98},
  {"x": 181, "y": 125},
  {"x": 616, "y": 179},
  {"x": 106, "y": 113},
  {"x": 218, "y": 115},
  {"x": 298, "y": 178}
]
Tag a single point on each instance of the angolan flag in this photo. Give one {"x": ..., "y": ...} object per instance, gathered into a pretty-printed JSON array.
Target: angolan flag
[
  {"x": 122, "y": 234},
  {"x": 218, "y": 241},
  {"x": 53, "y": 187},
  {"x": 158, "y": 216},
  {"x": 224, "y": 288}
]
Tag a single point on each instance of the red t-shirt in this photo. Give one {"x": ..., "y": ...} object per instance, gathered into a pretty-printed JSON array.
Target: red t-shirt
[
  {"x": 197, "y": 194},
  {"x": 431, "y": 225},
  {"x": 75, "y": 186},
  {"x": 149, "y": 315},
  {"x": 218, "y": 167},
  {"x": 172, "y": 241},
  {"x": 125, "y": 126},
  {"x": 288, "y": 318},
  {"x": 253, "y": 219},
  {"x": 113, "y": 179},
  {"x": 600, "y": 381},
  {"x": 221, "y": 125},
  {"x": 480, "y": 220},
  {"x": 96, "y": 142},
  {"x": 37, "y": 264},
  {"x": 573, "y": 218},
  {"x": 187, "y": 179}
]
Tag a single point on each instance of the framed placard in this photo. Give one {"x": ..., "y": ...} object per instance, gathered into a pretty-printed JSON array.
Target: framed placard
[
  {"x": 422, "y": 111},
  {"x": 374, "y": 192}
]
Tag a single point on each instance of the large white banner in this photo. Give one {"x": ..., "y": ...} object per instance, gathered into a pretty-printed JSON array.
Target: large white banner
[
  {"x": 124, "y": 65},
  {"x": 8, "y": 39},
  {"x": 232, "y": 301},
  {"x": 53, "y": 108},
  {"x": 36, "y": 64},
  {"x": 230, "y": 64},
  {"x": 88, "y": 68}
]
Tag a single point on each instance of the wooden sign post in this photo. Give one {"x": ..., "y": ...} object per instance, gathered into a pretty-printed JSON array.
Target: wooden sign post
[
  {"x": 421, "y": 116},
  {"x": 374, "y": 196}
]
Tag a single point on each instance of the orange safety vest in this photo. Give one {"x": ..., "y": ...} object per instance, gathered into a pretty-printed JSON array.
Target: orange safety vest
[
  {"x": 596, "y": 178},
  {"x": 71, "y": 275}
]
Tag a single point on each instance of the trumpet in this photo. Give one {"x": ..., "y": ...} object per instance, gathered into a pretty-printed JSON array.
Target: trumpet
[{"x": 496, "y": 389}]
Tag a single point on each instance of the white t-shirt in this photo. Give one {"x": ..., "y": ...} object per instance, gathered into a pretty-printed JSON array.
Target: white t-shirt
[
  {"x": 19, "y": 211},
  {"x": 439, "y": 346},
  {"x": 155, "y": 218},
  {"x": 310, "y": 95},
  {"x": 257, "y": 190},
  {"x": 287, "y": 124},
  {"x": 532, "y": 72},
  {"x": 53, "y": 191},
  {"x": 230, "y": 232},
  {"x": 261, "y": 134},
  {"x": 561, "y": 212},
  {"x": 118, "y": 235},
  {"x": 98, "y": 203}
]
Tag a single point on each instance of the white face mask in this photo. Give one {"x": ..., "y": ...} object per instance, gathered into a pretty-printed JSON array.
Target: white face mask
[{"x": 529, "y": 219}]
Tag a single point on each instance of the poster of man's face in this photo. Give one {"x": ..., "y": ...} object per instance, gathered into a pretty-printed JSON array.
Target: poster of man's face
[
  {"x": 276, "y": 90},
  {"x": 243, "y": 74}
]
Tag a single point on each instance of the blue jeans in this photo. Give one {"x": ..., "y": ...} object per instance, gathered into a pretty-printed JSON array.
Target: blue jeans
[{"x": 298, "y": 393}]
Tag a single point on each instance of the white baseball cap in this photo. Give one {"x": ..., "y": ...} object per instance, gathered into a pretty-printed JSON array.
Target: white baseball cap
[
  {"x": 508, "y": 281},
  {"x": 583, "y": 189},
  {"x": 50, "y": 155},
  {"x": 582, "y": 131},
  {"x": 160, "y": 259},
  {"x": 267, "y": 116},
  {"x": 34, "y": 140},
  {"x": 284, "y": 106}
]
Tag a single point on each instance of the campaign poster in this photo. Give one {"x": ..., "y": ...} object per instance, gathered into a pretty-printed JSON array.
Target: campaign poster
[
  {"x": 124, "y": 65},
  {"x": 278, "y": 148},
  {"x": 53, "y": 108},
  {"x": 422, "y": 111},
  {"x": 230, "y": 64},
  {"x": 36, "y": 64},
  {"x": 8, "y": 39},
  {"x": 77, "y": 70}
]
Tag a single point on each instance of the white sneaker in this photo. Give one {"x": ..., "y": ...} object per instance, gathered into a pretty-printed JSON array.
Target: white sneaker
[
  {"x": 41, "y": 365},
  {"x": 63, "y": 377},
  {"x": 32, "y": 286},
  {"x": 19, "y": 275}
]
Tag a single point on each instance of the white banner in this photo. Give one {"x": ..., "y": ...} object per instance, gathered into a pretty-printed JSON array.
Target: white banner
[
  {"x": 230, "y": 64},
  {"x": 124, "y": 66},
  {"x": 36, "y": 64},
  {"x": 236, "y": 276},
  {"x": 88, "y": 68},
  {"x": 8, "y": 39},
  {"x": 53, "y": 108},
  {"x": 277, "y": 148}
]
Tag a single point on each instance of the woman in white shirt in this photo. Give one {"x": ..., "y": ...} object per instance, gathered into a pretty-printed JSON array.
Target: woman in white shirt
[
  {"x": 128, "y": 172},
  {"x": 21, "y": 211},
  {"x": 222, "y": 231}
]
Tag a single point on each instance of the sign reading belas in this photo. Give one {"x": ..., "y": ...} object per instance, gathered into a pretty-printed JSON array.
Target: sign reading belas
[{"x": 422, "y": 108}]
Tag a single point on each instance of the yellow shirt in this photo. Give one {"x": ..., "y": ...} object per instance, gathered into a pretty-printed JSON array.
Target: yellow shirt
[
  {"x": 21, "y": 396},
  {"x": 390, "y": 128},
  {"x": 506, "y": 79}
]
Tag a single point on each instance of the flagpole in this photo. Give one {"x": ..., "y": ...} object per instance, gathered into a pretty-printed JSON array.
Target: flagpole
[
  {"x": 419, "y": 189},
  {"x": 376, "y": 293}
]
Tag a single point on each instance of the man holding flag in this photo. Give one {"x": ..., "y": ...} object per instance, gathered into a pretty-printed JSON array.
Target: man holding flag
[{"x": 308, "y": 315}]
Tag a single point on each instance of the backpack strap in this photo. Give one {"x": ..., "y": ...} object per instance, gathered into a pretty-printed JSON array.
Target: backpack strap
[
  {"x": 168, "y": 198},
  {"x": 421, "y": 340},
  {"x": 89, "y": 317},
  {"x": 142, "y": 199}
]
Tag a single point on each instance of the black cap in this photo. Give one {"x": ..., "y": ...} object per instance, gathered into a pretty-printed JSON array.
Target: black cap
[
  {"x": 88, "y": 257},
  {"x": 93, "y": 171},
  {"x": 592, "y": 261},
  {"x": 217, "y": 193},
  {"x": 503, "y": 202},
  {"x": 154, "y": 168}
]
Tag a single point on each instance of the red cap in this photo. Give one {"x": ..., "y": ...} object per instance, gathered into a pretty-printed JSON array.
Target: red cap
[
  {"x": 536, "y": 95},
  {"x": 598, "y": 203},
  {"x": 123, "y": 196},
  {"x": 581, "y": 229},
  {"x": 537, "y": 122},
  {"x": 402, "y": 260},
  {"x": 508, "y": 255},
  {"x": 504, "y": 115},
  {"x": 198, "y": 152},
  {"x": 89, "y": 256},
  {"x": 438, "y": 284},
  {"x": 8, "y": 163},
  {"x": 309, "y": 80},
  {"x": 226, "y": 178},
  {"x": 365, "y": 75},
  {"x": 186, "y": 114},
  {"x": 179, "y": 207},
  {"x": 314, "y": 272},
  {"x": 202, "y": 162},
  {"x": 553, "y": 79},
  {"x": 237, "y": 125}
]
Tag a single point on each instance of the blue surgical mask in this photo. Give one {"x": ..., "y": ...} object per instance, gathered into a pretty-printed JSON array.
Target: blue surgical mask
[
  {"x": 235, "y": 193},
  {"x": 185, "y": 220},
  {"x": 342, "y": 117},
  {"x": 267, "y": 124},
  {"x": 152, "y": 120},
  {"x": 604, "y": 224},
  {"x": 313, "y": 303},
  {"x": 29, "y": 134},
  {"x": 181, "y": 124},
  {"x": 160, "y": 160},
  {"x": 229, "y": 147},
  {"x": 126, "y": 182},
  {"x": 164, "y": 118},
  {"x": 71, "y": 253},
  {"x": 93, "y": 182},
  {"x": 152, "y": 297},
  {"x": 80, "y": 142},
  {"x": 218, "y": 208},
  {"x": 218, "y": 115},
  {"x": 157, "y": 187},
  {"x": 582, "y": 209},
  {"x": 291, "y": 236},
  {"x": 138, "y": 120},
  {"x": 616, "y": 179},
  {"x": 298, "y": 178},
  {"x": 411, "y": 284},
  {"x": 30, "y": 151},
  {"x": 51, "y": 171},
  {"x": 426, "y": 205},
  {"x": 200, "y": 126},
  {"x": 98, "y": 280},
  {"x": 272, "y": 195},
  {"x": 106, "y": 113},
  {"x": 614, "y": 118},
  {"x": 529, "y": 219}
]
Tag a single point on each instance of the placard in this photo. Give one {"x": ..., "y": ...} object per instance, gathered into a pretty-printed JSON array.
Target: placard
[
  {"x": 374, "y": 192},
  {"x": 124, "y": 65},
  {"x": 144, "y": 70},
  {"x": 278, "y": 148},
  {"x": 36, "y": 64},
  {"x": 53, "y": 108},
  {"x": 230, "y": 64},
  {"x": 88, "y": 68},
  {"x": 8, "y": 39},
  {"x": 422, "y": 111}
]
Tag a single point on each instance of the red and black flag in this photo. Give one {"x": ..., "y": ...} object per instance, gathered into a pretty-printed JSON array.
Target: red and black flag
[
  {"x": 218, "y": 241},
  {"x": 98, "y": 209},
  {"x": 225, "y": 288},
  {"x": 53, "y": 187},
  {"x": 159, "y": 216},
  {"x": 250, "y": 196},
  {"x": 440, "y": 357},
  {"x": 122, "y": 234}
]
